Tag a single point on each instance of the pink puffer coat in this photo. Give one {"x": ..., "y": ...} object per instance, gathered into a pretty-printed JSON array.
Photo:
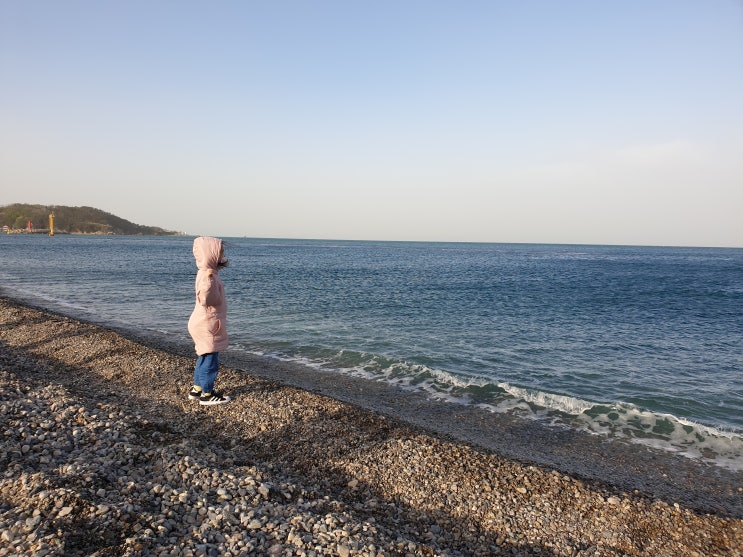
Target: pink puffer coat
[{"x": 208, "y": 323}]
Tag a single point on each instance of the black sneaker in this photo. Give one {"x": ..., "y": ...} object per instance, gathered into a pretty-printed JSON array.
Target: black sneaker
[
  {"x": 193, "y": 394},
  {"x": 212, "y": 399}
]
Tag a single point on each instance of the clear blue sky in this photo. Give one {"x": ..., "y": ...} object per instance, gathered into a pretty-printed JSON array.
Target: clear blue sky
[{"x": 617, "y": 121}]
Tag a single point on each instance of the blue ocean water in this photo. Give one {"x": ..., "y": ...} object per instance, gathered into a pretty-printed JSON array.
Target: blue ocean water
[{"x": 641, "y": 343}]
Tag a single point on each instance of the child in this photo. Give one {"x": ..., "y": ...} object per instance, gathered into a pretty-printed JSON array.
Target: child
[{"x": 208, "y": 323}]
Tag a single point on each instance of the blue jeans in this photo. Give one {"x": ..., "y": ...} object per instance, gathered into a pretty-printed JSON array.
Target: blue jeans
[{"x": 207, "y": 366}]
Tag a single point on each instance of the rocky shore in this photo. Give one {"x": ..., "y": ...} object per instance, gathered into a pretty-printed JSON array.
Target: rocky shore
[{"x": 102, "y": 454}]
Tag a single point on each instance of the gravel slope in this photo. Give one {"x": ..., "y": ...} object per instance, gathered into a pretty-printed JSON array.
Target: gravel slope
[{"x": 102, "y": 454}]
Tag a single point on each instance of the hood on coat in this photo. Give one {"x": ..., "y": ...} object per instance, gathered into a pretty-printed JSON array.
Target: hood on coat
[{"x": 206, "y": 251}]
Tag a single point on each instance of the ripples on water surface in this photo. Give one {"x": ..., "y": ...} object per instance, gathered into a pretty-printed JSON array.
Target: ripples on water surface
[{"x": 632, "y": 342}]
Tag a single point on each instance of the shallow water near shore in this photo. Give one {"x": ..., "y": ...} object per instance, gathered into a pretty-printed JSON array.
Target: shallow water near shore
[{"x": 627, "y": 342}]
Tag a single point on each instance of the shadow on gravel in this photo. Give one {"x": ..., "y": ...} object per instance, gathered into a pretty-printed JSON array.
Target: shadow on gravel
[
  {"x": 315, "y": 442},
  {"x": 285, "y": 449},
  {"x": 696, "y": 485}
]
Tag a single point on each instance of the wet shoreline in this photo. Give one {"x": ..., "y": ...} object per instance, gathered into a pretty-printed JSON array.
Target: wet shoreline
[
  {"x": 480, "y": 483},
  {"x": 626, "y": 465}
]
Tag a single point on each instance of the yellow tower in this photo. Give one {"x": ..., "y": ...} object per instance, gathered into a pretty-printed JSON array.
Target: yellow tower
[{"x": 51, "y": 224}]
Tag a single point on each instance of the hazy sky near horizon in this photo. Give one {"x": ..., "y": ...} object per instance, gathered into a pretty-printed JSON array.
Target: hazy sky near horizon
[{"x": 603, "y": 122}]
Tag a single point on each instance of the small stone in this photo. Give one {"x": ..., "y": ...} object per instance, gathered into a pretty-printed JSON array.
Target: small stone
[
  {"x": 276, "y": 549},
  {"x": 223, "y": 494},
  {"x": 264, "y": 490}
]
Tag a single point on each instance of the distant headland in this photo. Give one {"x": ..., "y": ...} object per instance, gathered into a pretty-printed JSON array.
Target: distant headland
[{"x": 59, "y": 219}]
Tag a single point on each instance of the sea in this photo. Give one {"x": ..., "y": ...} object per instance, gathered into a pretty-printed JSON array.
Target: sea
[{"x": 638, "y": 343}]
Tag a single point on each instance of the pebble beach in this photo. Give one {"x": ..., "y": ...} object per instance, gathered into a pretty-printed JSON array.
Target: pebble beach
[{"x": 102, "y": 454}]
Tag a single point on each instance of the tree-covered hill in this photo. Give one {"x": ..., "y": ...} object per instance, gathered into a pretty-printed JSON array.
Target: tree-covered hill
[{"x": 73, "y": 220}]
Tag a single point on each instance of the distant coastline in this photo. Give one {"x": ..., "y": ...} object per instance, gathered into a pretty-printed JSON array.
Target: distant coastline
[
  {"x": 46, "y": 231},
  {"x": 60, "y": 219}
]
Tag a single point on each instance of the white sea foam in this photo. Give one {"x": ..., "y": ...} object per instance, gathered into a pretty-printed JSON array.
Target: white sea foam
[
  {"x": 665, "y": 431},
  {"x": 617, "y": 420},
  {"x": 561, "y": 403}
]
